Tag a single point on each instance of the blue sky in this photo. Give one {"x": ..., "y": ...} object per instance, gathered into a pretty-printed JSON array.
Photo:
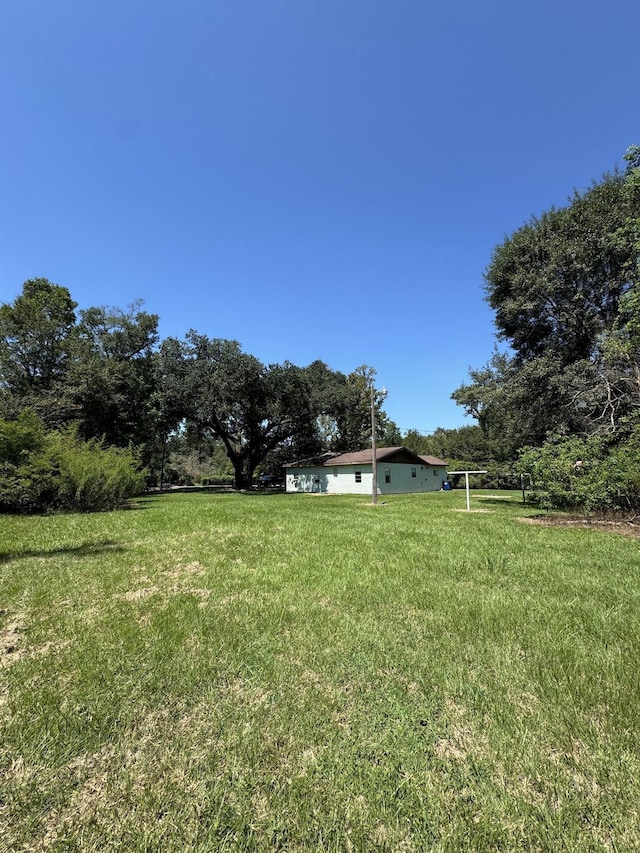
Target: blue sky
[{"x": 313, "y": 178}]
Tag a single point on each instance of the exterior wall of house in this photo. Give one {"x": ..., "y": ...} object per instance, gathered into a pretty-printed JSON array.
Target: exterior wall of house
[
  {"x": 341, "y": 479},
  {"x": 345, "y": 481},
  {"x": 307, "y": 479},
  {"x": 435, "y": 475},
  {"x": 402, "y": 481}
]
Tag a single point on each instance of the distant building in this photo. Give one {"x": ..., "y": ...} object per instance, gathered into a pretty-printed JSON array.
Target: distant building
[{"x": 399, "y": 471}]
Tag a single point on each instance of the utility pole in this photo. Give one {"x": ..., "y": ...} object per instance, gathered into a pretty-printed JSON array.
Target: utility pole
[{"x": 374, "y": 461}]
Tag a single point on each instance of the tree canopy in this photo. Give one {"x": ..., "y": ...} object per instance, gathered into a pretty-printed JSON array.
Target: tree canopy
[
  {"x": 113, "y": 377},
  {"x": 37, "y": 336},
  {"x": 232, "y": 396},
  {"x": 565, "y": 293},
  {"x": 265, "y": 413}
]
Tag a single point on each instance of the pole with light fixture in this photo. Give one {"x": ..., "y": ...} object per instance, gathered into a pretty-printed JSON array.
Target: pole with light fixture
[{"x": 374, "y": 461}]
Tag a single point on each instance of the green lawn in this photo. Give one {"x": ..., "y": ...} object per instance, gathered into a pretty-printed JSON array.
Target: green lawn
[{"x": 295, "y": 672}]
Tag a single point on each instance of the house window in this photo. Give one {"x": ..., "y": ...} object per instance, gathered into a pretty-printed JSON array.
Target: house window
[
  {"x": 414, "y": 473},
  {"x": 335, "y": 472},
  {"x": 387, "y": 475},
  {"x": 435, "y": 473},
  {"x": 358, "y": 476}
]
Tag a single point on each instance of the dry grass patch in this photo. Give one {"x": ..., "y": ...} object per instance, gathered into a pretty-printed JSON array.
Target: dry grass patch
[
  {"x": 139, "y": 594},
  {"x": 185, "y": 570},
  {"x": 11, "y": 649},
  {"x": 181, "y": 575},
  {"x": 462, "y": 740}
]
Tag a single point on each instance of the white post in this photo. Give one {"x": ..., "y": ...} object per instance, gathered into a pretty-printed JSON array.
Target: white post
[{"x": 466, "y": 482}]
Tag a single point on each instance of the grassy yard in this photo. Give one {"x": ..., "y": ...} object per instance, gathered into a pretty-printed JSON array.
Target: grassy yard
[{"x": 308, "y": 673}]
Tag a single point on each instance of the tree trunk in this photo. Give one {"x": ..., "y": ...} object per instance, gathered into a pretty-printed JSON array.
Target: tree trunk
[
  {"x": 238, "y": 474},
  {"x": 164, "y": 449},
  {"x": 241, "y": 478}
]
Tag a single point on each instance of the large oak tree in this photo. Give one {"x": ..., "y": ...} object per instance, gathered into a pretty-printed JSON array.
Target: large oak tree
[{"x": 230, "y": 395}]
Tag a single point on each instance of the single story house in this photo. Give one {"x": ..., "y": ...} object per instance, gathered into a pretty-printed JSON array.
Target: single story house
[{"x": 398, "y": 471}]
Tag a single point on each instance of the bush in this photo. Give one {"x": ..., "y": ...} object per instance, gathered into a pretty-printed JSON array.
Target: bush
[
  {"x": 27, "y": 488},
  {"x": 94, "y": 477},
  {"x": 20, "y": 437},
  {"x": 596, "y": 474},
  {"x": 217, "y": 480},
  {"x": 42, "y": 472},
  {"x": 28, "y": 482}
]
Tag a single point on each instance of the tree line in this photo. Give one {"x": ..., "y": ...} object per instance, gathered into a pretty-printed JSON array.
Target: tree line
[{"x": 102, "y": 376}]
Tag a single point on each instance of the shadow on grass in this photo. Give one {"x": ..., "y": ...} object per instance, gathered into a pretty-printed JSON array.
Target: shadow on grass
[
  {"x": 79, "y": 551},
  {"x": 207, "y": 491}
]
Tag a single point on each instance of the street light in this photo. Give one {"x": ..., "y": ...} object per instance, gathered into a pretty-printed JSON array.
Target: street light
[{"x": 374, "y": 461}]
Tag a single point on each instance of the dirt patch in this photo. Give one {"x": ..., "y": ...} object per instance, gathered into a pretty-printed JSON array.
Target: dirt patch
[
  {"x": 10, "y": 650},
  {"x": 623, "y": 526}
]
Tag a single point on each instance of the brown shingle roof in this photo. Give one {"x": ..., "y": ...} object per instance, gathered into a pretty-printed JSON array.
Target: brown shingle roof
[
  {"x": 311, "y": 461},
  {"x": 432, "y": 460},
  {"x": 360, "y": 457},
  {"x": 364, "y": 457}
]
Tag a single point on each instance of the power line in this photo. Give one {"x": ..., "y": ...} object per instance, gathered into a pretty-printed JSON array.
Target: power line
[{"x": 430, "y": 432}]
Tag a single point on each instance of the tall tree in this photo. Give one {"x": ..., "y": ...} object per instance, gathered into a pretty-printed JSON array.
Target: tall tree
[
  {"x": 555, "y": 283},
  {"x": 560, "y": 287},
  {"x": 37, "y": 337},
  {"x": 113, "y": 376},
  {"x": 617, "y": 370},
  {"x": 466, "y": 443},
  {"x": 344, "y": 406},
  {"x": 231, "y": 395},
  {"x": 97, "y": 371}
]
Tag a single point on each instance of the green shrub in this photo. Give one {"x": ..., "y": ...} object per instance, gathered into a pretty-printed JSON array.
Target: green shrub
[
  {"x": 43, "y": 472},
  {"x": 596, "y": 474},
  {"x": 28, "y": 481},
  {"x": 94, "y": 477},
  {"x": 217, "y": 480},
  {"x": 20, "y": 437},
  {"x": 30, "y": 487}
]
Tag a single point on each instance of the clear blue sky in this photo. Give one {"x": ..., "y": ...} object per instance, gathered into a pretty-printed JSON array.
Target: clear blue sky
[{"x": 314, "y": 178}]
